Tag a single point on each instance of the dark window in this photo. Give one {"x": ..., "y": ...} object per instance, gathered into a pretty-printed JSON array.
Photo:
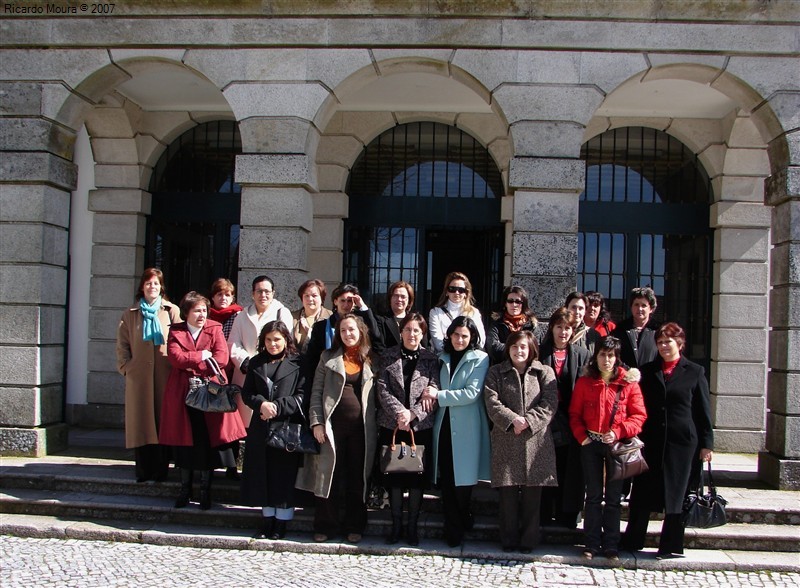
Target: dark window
[
  {"x": 644, "y": 222},
  {"x": 193, "y": 229}
]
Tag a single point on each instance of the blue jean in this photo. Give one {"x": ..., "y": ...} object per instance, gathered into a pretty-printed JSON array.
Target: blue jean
[{"x": 601, "y": 521}]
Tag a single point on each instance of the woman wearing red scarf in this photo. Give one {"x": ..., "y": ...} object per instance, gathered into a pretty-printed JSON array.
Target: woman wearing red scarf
[{"x": 515, "y": 315}]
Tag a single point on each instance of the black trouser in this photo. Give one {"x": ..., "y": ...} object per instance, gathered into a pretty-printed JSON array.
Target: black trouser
[
  {"x": 519, "y": 516},
  {"x": 348, "y": 477},
  {"x": 601, "y": 521},
  {"x": 672, "y": 531},
  {"x": 152, "y": 462},
  {"x": 455, "y": 499}
]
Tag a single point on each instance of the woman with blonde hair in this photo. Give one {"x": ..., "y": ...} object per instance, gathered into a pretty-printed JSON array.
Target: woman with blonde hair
[{"x": 456, "y": 300}]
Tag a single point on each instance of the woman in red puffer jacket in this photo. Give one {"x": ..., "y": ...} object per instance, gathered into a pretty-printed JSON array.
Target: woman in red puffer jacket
[{"x": 590, "y": 420}]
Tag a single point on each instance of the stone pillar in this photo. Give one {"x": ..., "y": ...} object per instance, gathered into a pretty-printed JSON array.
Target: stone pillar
[
  {"x": 36, "y": 176},
  {"x": 779, "y": 465}
]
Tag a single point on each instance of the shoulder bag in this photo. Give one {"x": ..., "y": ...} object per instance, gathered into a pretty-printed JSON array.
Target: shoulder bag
[
  {"x": 704, "y": 510},
  {"x": 290, "y": 436},
  {"x": 209, "y": 396},
  {"x": 624, "y": 458},
  {"x": 402, "y": 458}
]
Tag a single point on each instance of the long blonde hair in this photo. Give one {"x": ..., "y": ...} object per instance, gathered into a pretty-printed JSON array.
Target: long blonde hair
[{"x": 469, "y": 301}]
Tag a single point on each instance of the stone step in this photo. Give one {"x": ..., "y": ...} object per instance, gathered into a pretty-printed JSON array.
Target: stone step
[{"x": 86, "y": 505}]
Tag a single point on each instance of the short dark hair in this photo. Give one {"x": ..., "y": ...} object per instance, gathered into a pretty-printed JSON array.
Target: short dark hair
[
  {"x": 523, "y": 294},
  {"x": 462, "y": 321},
  {"x": 190, "y": 300},
  {"x": 415, "y": 317},
  {"x": 672, "y": 331},
  {"x": 151, "y": 272},
  {"x": 222, "y": 285},
  {"x": 576, "y": 296},
  {"x": 518, "y": 336},
  {"x": 647, "y": 293},
  {"x": 344, "y": 289},
  {"x": 605, "y": 344},
  {"x": 258, "y": 279},
  {"x": 278, "y": 327},
  {"x": 401, "y": 284},
  {"x": 561, "y": 315}
]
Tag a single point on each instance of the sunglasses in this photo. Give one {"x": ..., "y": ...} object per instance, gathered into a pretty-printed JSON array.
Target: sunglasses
[
  {"x": 456, "y": 290},
  {"x": 513, "y": 301}
]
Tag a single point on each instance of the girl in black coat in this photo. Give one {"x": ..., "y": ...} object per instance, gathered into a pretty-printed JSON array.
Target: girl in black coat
[
  {"x": 274, "y": 389},
  {"x": 677, "y": 436},
  {"x": 564, "y": 502}
]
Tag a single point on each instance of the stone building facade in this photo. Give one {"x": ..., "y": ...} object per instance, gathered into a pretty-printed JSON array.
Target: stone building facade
[{"x": 90, "y": 102}]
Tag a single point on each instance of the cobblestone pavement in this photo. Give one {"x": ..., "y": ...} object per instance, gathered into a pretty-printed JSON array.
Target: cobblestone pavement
[{"x": 59, "y": 562}]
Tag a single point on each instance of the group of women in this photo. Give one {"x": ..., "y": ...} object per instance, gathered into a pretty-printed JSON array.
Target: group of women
[{"x": 534, "y": 415}]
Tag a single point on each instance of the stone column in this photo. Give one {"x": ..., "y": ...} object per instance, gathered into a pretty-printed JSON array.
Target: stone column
[
  {"x": 779, "y": 465},
  {"x": 36, "y": 176}
]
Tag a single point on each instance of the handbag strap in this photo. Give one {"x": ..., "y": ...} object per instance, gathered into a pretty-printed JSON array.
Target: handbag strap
[
  {"x": 413, "y": 441},
  {"x": 216, "y": 369},
  {"x": 300, "y": 408},
  {"x": 614, "y": 408}
]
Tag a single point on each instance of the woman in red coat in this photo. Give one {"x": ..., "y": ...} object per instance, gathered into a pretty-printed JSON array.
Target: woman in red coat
[
  {"x": 203, "y": 439},
  {"x": 594, "y": 427}
]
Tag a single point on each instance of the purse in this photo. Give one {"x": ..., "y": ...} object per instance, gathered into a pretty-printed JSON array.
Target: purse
[
  {"x": 209, "y": 396},
  {"x": 704, "y": 511},
  {"x": 624, "y": 458},
  {"x": 402, "y": 459},
  {"x": 292, "y": 436}
]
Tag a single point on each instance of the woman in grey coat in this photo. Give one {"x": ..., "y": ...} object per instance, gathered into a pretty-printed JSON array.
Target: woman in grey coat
[{"x": 521, "y": 398}]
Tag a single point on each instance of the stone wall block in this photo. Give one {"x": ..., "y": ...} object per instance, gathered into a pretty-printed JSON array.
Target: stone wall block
[
  {"x": 554, "y": 174},
  {"x": 109, "y": 382},
  {"x": 688, "y": 62},
  {"x": 739, "y": 310},
  {"x": 547, "y": 138},
  {"x": 115, "y": 151},
  {"x": 334, "y": 66},
  {"x": 563, "y": 103},
  {"x": 738, "y": 378},
  {"x": 149, "y": 150},
  {"x": 113, "y": 292},
  {"x": 20, "y": 366},
  {"x": 330, "y": 204},
  {"x": 109, "y": 123},
  {"x": 411, "y": 116},
  {"x": 501, "y": 151},
  {"x": 120, "y": 200},
  {"x": 286, "y": 282},
  {"x": 302, "y": 100},
  {"x": 744, "y": 134},
  {"x": 546, "y": 211},
  {"x": 117, "y": 176},
  {"x": 784, "y": 349},
  {"x": 106, "y": 395},
  {"x": 783, "y": 392},
  {"x": 165, "y": 127},
  {"x": 545, "y": 293},
  {"x": 273, "y": 248},
  {"x": 598, "y": 70},
  {"x": 731, "y": 441},
  {"x": 748, "y": 161},
  {"x": 275, "y": 169},
  {"x": 20, "y": 98},
  {"x": 490, "y": 68},
  {"x": 332, "y": 177},
  {"x": 766, "y": 75},
  {"x": 739, "y": 214},
  {"x": 545, "y": 254},
  {"x": 119, "y": 229},
  {"x": 486, "y": 128},
  {"x": 785, "y": 264},
  {"x": 326, "y": 266},
  {"x": 104, "y": 322},
  {"x": 277, "y": 207},
  {"x": 365, "y": 126},
  {"x": 31, "y": 325},
  {"x": 224, "y": 66},
  {"x": 33, "y": 284},
  {"x": 741, "y": 244},
  {"x": 738, "y": 412},
  {"x": 38, "y": 167},
  {"x": 32, "y": 243},
  {"x": 547, "y": 67},
  {"x": 784, "y": 307},
  {"x": 729, "y": 344},
  {"x": 34, "y": 203},
  {"x": 35, "y": 134},
  {"x": 72, "y": 66},
  {"x": 739, "y": 188},
  {"x": 786, "y": 221},
  {"x": 339, "y": 149},
  {"x": 117, "y": 260},
  {"x": 733, "y": 277},
  {"x": 275, "y": 135},
  {"x": 327, "y": 234},
  {"x": 102, "y": 355},
  {"x": 783, "y": 435}
]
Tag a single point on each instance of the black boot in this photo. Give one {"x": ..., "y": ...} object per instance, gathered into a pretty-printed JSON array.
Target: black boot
[
  {"x": 396, "y": 504},
  {"x": 205, "y": 489},
  {"x": 414, "y": 505},
  {"x": 185, "y": 494},
  {"x": 265, "y": 531},
  {"x": 279, "y": 530}
]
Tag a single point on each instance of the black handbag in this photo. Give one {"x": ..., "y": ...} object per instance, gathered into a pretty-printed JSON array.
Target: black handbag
[
  {"x": 402, "y": 459},
  {"x": 624, "y": 458},
  {"x": 294, "y": 437},
  {"x": 209, "y": 396},
  {"x": 704, "y": 510}
]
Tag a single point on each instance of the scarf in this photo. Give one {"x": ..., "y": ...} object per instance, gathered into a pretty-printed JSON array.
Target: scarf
[
  {"x": 151, "y": 327},
  {"x": 668, "y": 367},
  {"x": 223, "y": 314},
  {"x": 514, "y": 323},
  {"x": 580, "y": 333},
  {"x": 352, "y": 360}
]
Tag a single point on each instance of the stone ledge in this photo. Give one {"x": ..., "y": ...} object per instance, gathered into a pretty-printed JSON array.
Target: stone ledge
[
  {"x": 35, "y": 442},
  {"x": 783, "y": 474}
]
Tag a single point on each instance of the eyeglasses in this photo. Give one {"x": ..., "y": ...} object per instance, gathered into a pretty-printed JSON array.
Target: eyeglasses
[
  {"x": 412, "y": 331},
  {"x": 263, "y": 291},
  {"x": 513, "y": 301},
  {"x": 456, "y": 290}
]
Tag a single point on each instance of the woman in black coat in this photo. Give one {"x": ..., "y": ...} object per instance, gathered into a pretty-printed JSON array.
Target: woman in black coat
[
  {"x": 274, "y": 389},
  {"x": 565, "y": 501},
  {"x": 514, "y": 315},
  {"x": 637, "y": 332},
  {"x": 677, "y": 436}
]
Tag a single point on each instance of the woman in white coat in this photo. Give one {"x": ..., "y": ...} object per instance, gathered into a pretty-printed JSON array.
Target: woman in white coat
[
  {"x": 243, "y": 340},
  {"x": 456, "y": 300}
]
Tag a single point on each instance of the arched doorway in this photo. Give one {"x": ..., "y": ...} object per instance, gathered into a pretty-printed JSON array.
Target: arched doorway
[
  {"x": 644, "y": 221},
  {"x": 193, "y": 230},
  {"x": 424, "y": 201}
]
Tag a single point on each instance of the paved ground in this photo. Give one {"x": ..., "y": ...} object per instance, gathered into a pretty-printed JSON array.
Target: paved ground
[{"x": 70, "y": 562}]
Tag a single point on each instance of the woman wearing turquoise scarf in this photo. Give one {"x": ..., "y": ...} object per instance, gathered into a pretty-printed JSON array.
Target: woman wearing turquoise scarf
[{"x": 142, "y": 359}]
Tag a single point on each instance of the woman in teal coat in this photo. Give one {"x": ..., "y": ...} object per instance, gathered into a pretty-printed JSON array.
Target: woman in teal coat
[{"x": 461, "y": 454}]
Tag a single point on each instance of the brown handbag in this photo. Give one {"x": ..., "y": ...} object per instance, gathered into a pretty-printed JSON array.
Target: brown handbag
[
  {"x": 402, "y": 458},
  {"x": 624, "y": 457}
]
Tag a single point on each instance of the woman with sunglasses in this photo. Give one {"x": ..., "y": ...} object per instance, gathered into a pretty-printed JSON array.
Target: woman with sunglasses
[
  {"x": 514, "y": 316},
  {"x": 456, "y": 300}
]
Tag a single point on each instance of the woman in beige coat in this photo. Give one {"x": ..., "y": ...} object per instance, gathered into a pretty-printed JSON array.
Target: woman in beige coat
[
  {"x": 521, "y": 399},
  {"x": 142, "y": 359},
  {"x": 342, "y": 418}
]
